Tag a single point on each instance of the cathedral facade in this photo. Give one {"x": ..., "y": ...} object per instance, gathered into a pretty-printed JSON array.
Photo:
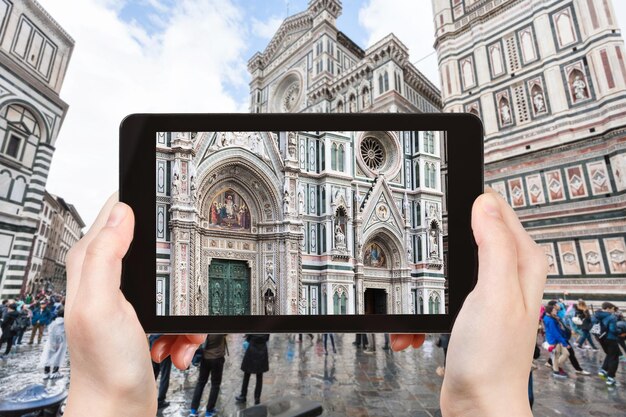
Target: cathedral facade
[
  {"x": 308, "y": 222},
  {"x": 548, "y": 80},
  {"x": 299, "y": 223}
]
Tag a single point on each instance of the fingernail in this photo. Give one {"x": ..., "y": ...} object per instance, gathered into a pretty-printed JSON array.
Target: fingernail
[
  {"x": 188, "y": 356},
  {"x": 118, "y": 212},
  {"x": 160, "y": 354},
  {"x": 491, "y": 206}
]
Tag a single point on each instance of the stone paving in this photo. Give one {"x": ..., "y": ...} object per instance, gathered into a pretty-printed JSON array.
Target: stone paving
[{"x": 352, "y": 383}]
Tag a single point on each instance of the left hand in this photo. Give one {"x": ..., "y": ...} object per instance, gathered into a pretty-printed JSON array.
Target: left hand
[
  {"x": 402, "y": 341},
  {"x": 111, "y": 372}
]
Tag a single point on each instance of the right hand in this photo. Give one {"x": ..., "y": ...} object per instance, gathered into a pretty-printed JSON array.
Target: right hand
[{"x": 493, "y": 338}]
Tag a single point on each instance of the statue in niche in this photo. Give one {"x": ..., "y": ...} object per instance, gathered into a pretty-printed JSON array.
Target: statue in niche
[
  {"x": 176, "y": 184},
  {"x": 366, "y": 98},
  {"x": 286, "y": 203},
  {"x": 340, "y": 237},
  {"x": 434, "y": 244},
  {"x": 505, "y": 112},
  {"x": 192, "y": 188},
  {"x": 291, "y": 144},
  {"x": 539, "y": 103},
  {"x": 580, "y": 88},
  {"x": 300, "y": 202}
]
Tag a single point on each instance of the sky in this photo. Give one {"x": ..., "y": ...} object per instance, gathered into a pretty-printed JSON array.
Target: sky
[{"x": 185, "y": 56}]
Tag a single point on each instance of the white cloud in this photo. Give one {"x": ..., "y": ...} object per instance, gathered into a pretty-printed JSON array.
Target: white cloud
[
  {"x": 117, "y": 68},
  {"x": 266, "y": 29},
  {"x": 412, "y": 22}
]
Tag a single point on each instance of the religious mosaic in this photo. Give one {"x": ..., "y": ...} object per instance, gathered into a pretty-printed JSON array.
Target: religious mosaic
[{"x": 229, "y": 211}]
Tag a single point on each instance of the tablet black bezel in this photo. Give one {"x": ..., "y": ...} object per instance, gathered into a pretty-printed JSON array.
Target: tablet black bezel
[{"x": 138, "y": 182}]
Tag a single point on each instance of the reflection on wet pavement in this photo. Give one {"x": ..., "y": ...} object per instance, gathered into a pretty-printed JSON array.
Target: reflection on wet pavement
[{"x": 352, "y": 383}]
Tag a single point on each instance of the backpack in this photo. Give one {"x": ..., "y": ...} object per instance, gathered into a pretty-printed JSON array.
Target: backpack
[{"x": 599, "y": 329}]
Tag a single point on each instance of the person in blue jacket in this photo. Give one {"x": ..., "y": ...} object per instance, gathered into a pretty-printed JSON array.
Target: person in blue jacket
[
  {"x": 557, "y": 340},
  {"x": 42, "y": 316},
  {"x": 608, "y": 320}
]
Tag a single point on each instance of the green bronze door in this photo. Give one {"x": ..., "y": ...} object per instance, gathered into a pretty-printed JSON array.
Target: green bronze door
[{"x": 229, "y": 288}]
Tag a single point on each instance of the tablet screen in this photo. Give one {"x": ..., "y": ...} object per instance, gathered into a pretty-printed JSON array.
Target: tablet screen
[{"x": 300, "y": 223}]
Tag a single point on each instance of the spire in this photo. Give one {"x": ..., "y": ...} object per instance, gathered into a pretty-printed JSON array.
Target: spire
[{"x": 332, "y": 8}]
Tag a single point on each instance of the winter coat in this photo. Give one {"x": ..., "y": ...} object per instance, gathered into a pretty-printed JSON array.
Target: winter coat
[
  {"x": 54, "y": 351},
  {"x": 42, "y": 316},
  {"x": 23, "y": 321},
  {"x": 555, "y": 331},
  {"x": 214, "y": 346},
  {"x": 7, "y": 320},
  {"x": 610, "y": 321},
  {"x": 256, "y": 359}
]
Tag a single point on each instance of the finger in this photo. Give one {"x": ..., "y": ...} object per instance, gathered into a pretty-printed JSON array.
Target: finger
[
  {"x": 401, "y": 341},
  {"x": 162, "y": 347},
  {"x": 182, "y": 352},
  {"x": 74, "y": 263},
  {"x": 497, "y": 252},
  {"x": 418, "y": 340},
  {"x": 532, "y": 265},
  {"x": 102, "y": 266},
  {"x": 195, "y": 338}
]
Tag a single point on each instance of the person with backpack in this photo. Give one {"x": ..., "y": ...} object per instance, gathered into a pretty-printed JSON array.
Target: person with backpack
[
  {"x": 212, "y": 363},
  {"x": 556, "y": 341},
  {"x": 605, "y": 330},
  {"x": 255, "y": 361},
  {"x": 42, "y": 316},
  {"x": 583, "y": 316},
  {"x": 9, "y": 328},
  {"x": 567, "y": 333},
  {"x": 23, "y": 321}
]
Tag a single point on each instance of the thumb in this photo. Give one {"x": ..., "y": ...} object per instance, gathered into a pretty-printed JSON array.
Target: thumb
[
  {"x": 102, "y": 267},
  {"x": 497, "y": 253}
]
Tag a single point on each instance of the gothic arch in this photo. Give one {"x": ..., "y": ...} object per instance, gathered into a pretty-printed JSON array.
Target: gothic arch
[
  {"x": 247, "y": 181},
  {"x": 391, "y": 244}
]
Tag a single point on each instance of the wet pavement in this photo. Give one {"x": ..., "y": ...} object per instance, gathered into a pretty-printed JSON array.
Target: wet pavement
[{"x": 352, "y": 383}]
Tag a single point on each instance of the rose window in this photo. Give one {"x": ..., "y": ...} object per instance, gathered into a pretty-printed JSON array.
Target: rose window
[{"x": 373, "y": 153}]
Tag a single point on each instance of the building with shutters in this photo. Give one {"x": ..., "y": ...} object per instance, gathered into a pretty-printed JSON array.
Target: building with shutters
[
  {"x": 34, "y": 54},
  {"x": 548, "y": 80}
]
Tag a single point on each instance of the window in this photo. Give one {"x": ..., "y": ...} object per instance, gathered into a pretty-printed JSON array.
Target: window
[
  {"x": 5, "y": 183},
  {"x": 13, "y": 147},
  {"x": 386, "y": 79},
  {"x": 429, "y": 142},
  {"x": 380, "y": 84},
  {"x": 19, "y": 188},
  {"x": 433, "y": 173},
  {"x": 419, "y": 249},
  {"x": 340, "y": 158},
  {"x": 416, "y": 174},
  {"x": 333, "y": 157}
]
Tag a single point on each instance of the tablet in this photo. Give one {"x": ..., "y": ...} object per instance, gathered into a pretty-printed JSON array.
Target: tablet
[{"x": 314, "y": 223}]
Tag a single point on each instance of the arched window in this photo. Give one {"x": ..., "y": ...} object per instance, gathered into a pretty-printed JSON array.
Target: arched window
[
  {"x": 420, "y": 305},
  {"x": 19, "y": 188},
  {"x": 365, "y": 97},
  {"x": 419, "y": 249},
  {"x": 352, "y": 104},
  {"x": 322, "y": 157},
  {"x": 436, "y": 305},
  {"x": 427, "y": 175},
  {"x": 433, "y": 178},
  {"x": 323, "y": 203},
  {"x": 339, "y": 106},
  {"x": 416, "y": 174},
  {"x": 340, "y": 158},
  {"x": 386, "y": 78},
  {"x": 381, "y": 86},
  {"x": 333, "y": 157},
  {"x": 340, "y": 302},
  {"x": 5, "y": 183},
  {"x": 431, "y": 305},
  {"x": 323, "y": 239}
]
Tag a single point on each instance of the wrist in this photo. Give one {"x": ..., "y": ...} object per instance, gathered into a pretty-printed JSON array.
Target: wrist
[{"x": 486, "y": 402}]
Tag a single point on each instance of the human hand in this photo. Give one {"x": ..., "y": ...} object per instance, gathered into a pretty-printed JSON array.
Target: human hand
[
  {"x": 493, "y": 338},
  {"x": 180, "y": 347},
  {"x": 402, "y": 341},
  {"x": 111, "y": 372}
]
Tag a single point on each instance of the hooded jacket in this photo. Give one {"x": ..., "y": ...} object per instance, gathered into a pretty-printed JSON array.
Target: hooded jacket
[{"x": 610, "y": 321}]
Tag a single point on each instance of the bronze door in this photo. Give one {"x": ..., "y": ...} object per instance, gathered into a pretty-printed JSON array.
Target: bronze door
[{"x": 229, "y": 288}]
